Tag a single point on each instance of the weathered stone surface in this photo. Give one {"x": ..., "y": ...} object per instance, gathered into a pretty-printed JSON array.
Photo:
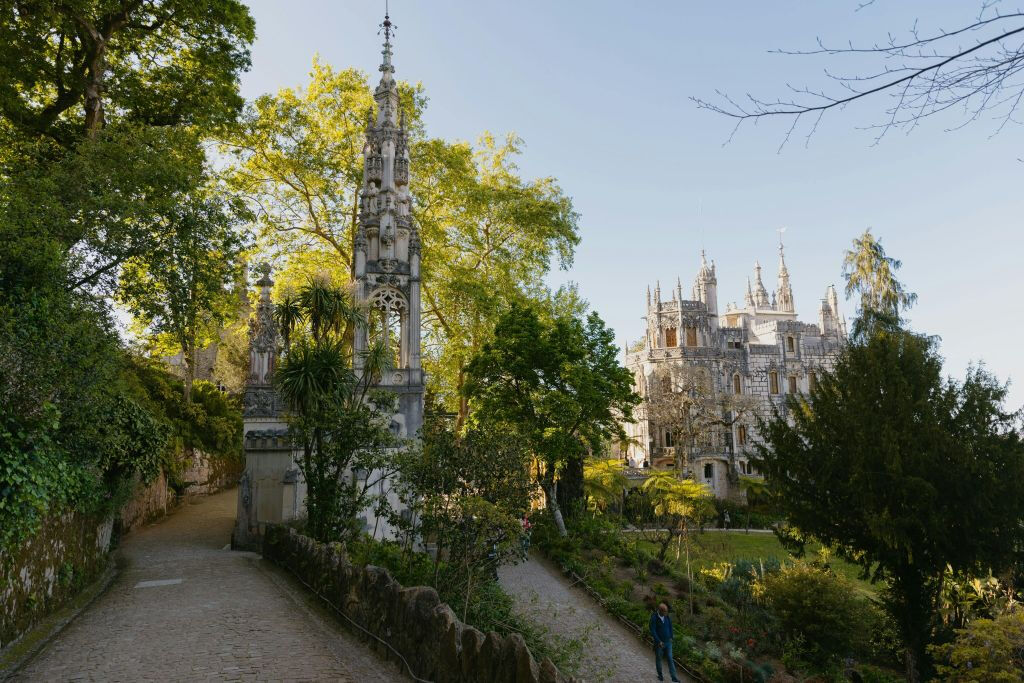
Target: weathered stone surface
[{"x": 413, "y": 621}]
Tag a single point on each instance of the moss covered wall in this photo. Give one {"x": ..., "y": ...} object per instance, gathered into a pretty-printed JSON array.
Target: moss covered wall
[{"x": 68, "y": 552}]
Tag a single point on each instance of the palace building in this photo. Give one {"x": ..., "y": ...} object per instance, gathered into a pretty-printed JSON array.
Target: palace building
[{"x": 750, "y": 357}]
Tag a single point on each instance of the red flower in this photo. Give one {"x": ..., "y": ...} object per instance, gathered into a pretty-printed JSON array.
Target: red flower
[{"x": 750, "y": 642}]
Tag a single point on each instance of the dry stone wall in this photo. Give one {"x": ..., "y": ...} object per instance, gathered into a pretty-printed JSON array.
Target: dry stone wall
[{"x": 431, "y": 640}]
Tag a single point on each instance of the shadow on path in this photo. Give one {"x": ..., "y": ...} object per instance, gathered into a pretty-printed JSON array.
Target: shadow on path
[{"x": 186, "y": 608}]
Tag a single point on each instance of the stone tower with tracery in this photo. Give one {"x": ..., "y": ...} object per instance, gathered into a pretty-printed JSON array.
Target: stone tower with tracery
[{"x": 387, "y": 252}]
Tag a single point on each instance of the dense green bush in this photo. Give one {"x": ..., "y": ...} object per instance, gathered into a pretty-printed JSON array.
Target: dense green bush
[
  {"x": 987, "y": 650},
  {"x": 819, "y": 616}
]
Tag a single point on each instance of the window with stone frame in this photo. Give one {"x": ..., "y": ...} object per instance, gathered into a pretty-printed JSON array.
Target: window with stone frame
[
  {"x": 792, "y": 384},
  {"x": 812, "y": 380},
  {"x": 737, "y": 384},
  {"x": 773, "y": 382},
  {"x": 709, "y": 470},
  {"x": 790, "y": 344},
  {"x": 669, "y": 441},
  {"x": 741, "y": 435},
  {"x": 670, "y": 337},
  {"x": 388, "y": 319},
  {"x": 691, "y": 336}
]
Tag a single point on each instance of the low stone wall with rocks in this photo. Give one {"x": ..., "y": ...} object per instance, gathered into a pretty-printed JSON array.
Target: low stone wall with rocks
[
  {"x": 423, "y": 630},
  {"x": 66, "y": 554}
]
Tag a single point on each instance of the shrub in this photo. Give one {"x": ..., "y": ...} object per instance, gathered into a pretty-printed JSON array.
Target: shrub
[
  {"x": 820, "y": 617},
  {"x": 987, "y": 650}
]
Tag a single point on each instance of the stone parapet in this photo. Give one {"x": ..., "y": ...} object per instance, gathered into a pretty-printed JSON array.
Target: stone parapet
[{"x": 419, "y": 630}]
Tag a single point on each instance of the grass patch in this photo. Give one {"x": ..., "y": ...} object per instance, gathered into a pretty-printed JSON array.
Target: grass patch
[{"x": 711, "y": 548}]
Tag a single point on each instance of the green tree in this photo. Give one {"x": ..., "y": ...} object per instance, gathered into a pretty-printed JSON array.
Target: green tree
[
  {"x": 820, "y": 615},
  {"x": 68, "y": 67},
  {"x": 466, "y": 495},
  {"x": 871, "y": 274},
  {"x": 906, "y": 471},
  {"x": 489, "y": 236},
  {"x": 557, "y": 383},
  {"x": 179, "y": 289}
]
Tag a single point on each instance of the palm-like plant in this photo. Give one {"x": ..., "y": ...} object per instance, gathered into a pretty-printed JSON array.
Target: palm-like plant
[
  {"x": 604, "y": 481},
  {"x": 673, "y": 497},
  {"x": 331, "y": 418},
  {"x": 288, "y": 316},
  {"x": 683, "y": 500}
]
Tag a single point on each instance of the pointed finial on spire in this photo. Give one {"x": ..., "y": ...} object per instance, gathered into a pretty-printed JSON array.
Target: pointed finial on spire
[{"x": 387, "y": 27}]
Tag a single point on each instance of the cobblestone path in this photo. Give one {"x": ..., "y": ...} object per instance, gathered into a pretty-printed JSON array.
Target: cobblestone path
[
  {"x": 611, "y": 651},
  {"x": 185, "y": 609}
]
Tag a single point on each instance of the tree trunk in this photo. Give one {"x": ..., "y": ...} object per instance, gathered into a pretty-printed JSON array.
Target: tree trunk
[
  {"x": 94, "y": 119},
  {"x": 550, "y": 488}
]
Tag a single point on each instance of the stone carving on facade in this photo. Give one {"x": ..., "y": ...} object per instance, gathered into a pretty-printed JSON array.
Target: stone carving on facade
[
  {"x": 387, "y": 261},
  {"x": 260, "y": 399}
]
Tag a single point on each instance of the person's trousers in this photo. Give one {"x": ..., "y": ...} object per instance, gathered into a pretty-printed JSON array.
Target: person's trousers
[{"x": 665, "y": 652}]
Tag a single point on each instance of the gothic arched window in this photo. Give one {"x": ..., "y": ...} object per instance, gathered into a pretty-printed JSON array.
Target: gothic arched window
[
  {"x": 737, "y": 384},
  {"x": 389, "y": 322},
  {"x": 773, "y": 382}
]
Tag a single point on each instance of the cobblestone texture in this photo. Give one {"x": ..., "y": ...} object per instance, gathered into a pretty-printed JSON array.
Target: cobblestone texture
[
  {"x": 611, "y": 651},
  {"x": 231, "y": 618}
]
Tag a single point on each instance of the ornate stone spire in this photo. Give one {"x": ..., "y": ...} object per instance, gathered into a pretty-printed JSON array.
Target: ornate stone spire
[
  {"x": 748, "y": 298},
  {"x": 760, "y": 293},
  {"x": 785, "y": 290},
  {"x": 386, "y": 94},
  {"x": 264, "y": 345},
  {"x": 388, "y": 252}
]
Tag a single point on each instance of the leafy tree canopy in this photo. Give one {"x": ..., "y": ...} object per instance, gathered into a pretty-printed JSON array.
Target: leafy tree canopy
[
  {"x": 555, "y": 381},
  {"x": 69, "y": 67},
  {"x": 489, "y": 235},
  {"x": 905, "y": 470}
]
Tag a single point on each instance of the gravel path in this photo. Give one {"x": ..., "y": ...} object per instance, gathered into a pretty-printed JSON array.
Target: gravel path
[
  {"x": 185, "y": 608},
  {"x": 611, "y": 651}
]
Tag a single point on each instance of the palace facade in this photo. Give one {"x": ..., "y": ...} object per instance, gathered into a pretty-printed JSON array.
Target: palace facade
[{"x": 759, "y": 353}]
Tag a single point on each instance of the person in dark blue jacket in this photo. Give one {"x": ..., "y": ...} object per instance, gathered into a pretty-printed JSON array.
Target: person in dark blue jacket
[{"x": 661, "y": 630}]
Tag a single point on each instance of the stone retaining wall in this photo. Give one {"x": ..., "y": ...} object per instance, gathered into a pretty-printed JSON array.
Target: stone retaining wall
[
  {"x": 66, "y": 554},
  {"x": 413, "y": 621},
  {"x": 69, "y": 550}
]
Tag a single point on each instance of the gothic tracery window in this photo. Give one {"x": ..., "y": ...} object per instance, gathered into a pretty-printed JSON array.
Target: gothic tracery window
[
  {"x": 691, "y": 336},
  {"x": 388, "y": 323},
  {"x": 670, "y": 337}
]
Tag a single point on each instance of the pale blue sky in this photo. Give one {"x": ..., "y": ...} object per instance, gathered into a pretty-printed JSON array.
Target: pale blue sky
[{"x": 599, "y": 91}]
